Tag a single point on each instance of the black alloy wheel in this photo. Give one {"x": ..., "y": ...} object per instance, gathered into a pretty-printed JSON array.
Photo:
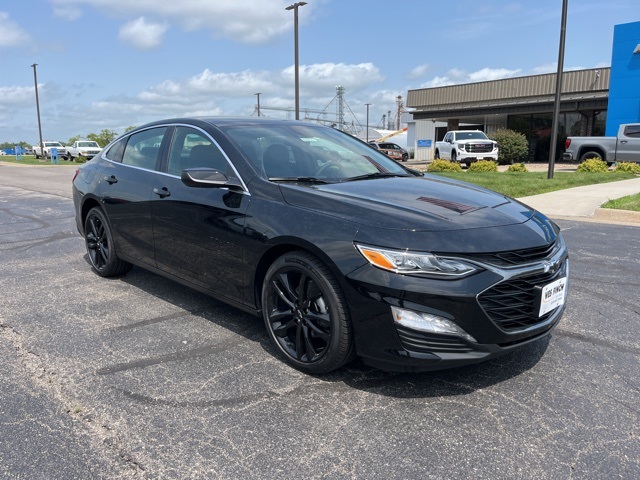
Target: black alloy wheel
[
  {"x": 100, "y": 247},
  {"x": 306, "y": 314}
]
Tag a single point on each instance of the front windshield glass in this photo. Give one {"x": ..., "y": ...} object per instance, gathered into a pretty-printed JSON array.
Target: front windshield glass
[
  {"x": 470, "y": 136},
  {"x": 305, "y": 151},
  {"x": 88, "y": 144}
]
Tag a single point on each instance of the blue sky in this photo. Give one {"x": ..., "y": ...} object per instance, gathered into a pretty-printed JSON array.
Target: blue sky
[{"x": 110, "y": 64}]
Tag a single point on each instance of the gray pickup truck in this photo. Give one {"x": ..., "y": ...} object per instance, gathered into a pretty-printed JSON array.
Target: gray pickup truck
[{"x": 625, "y": 147}]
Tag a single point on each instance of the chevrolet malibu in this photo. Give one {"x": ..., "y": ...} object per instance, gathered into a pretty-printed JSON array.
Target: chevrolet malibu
[{"x": 342, "y": 251}]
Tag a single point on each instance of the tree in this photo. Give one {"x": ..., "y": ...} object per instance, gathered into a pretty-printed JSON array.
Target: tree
[
  {"x": 512, "y": 146},
  {"x": 103, "y": 138}
]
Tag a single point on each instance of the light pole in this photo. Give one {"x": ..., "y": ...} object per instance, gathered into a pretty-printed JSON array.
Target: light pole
[
  {"x": 556, "y": 106},
  {"x": 367, "y": 104},
  {"x": 294, "y": 7},
  {"x": 258, "y": 95},
  {"x": 35, "y": 81}
]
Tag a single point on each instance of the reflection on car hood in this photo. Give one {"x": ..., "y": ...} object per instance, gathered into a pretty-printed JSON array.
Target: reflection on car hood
[{"x": 410, "y": 203}]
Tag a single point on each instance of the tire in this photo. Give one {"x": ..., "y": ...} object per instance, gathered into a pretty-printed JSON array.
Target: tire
[
  {"x": 590, "y": 154},
  {"x": 453, "y": 156},
  {"x": 436, "y": 155},
  {"x": 306, "y": 315},
  {"x": 70, "y": 157},
  {"x": 405, "y": 157},
  {"x": 100, "y": 247}
]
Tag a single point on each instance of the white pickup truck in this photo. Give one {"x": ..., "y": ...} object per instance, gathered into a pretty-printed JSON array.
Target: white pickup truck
[
  {"x": 466, "y": 146},
  {"x": 625, "y": 147},
  {"x": 62, "y": 150},
  {"x": 83, "y": 148}
]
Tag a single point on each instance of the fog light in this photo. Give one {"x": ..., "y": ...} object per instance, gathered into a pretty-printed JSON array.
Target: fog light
[{"x": 426, "y": 322}]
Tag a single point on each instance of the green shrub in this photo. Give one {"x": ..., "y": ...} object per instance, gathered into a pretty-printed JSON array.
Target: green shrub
[
  {"x": 483, "y": 166},
  {"x": 517, "y": 167},
  {"x": 593, "y": 165},
  {"x": 628, "y": 167},
  {"x": 512, "y": 146},
  {"x": 80, "y": 159},
  {"x": 444, "y": 166}
]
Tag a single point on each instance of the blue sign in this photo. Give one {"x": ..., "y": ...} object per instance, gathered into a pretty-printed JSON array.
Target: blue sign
[{"x": 424, "y": 143}]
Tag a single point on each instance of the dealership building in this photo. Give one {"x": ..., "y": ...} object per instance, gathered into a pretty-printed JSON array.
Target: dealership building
[{"x": 593, "y": 102}]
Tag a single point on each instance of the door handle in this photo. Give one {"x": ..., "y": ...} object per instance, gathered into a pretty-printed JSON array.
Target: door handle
[
  {"x": 111, "y": 179},
  {"x": 623, "y": 141},
  {"x": 162, "y": 192}
]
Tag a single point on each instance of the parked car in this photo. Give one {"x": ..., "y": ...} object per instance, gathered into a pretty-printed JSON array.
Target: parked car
[
  {"x": 48, "y": 145},
  {"x": 624, "y": 147},
  {"x": 393, "y": 150},
  {"x": 466, "y": 146},
  {"x": 341, "y": 250},
  {"x": 83, "y": 148}
]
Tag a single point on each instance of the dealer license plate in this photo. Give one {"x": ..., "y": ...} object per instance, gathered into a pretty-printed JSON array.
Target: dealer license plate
[{"x": 553, "y": 295}]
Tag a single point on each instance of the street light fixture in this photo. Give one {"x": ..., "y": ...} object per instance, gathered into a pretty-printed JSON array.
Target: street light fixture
[{"x": 294, "y": 7}]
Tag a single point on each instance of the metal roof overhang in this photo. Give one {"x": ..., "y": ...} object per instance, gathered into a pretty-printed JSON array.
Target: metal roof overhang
[{"x": 568, "y": 103}]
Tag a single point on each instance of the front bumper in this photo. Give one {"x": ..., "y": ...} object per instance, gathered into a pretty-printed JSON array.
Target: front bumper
[{"x": 497, "y": 307}]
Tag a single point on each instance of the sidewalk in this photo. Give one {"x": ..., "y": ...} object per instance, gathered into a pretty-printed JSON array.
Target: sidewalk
[{"x": 584, "y": 202}]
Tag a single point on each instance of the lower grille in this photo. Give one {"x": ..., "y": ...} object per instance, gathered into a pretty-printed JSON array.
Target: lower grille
[
  {"x": 512, "y": 304},
  {"x": 423, "y": 342}
]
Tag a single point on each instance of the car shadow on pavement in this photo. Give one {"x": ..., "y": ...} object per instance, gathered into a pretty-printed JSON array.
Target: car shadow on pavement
[{"x": 356, "y": 375}]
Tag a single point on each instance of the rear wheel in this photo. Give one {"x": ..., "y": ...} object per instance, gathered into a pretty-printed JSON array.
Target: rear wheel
[
  {"x": 306, "y": 314},
  {"x": 436, "y": 156},
  {"x": 589, "y": 155},
  {"x": 100, "y": 248}
]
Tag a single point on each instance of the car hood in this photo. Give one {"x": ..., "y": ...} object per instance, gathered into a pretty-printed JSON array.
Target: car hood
[{"x": 426, "y": 203}]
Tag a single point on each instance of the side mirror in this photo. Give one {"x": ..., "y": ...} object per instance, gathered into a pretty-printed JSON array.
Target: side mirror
[{"x": 204, "y": 177}]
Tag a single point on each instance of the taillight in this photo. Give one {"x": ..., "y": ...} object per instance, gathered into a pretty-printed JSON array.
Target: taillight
[
  {"x": 567, "y": 142},
  {"x": 75, "y": 175}
]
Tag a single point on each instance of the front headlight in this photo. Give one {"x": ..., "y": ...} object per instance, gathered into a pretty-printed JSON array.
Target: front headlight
[
  {"x": 460, "y": 146},
  {"x": 415, "y": 263}
]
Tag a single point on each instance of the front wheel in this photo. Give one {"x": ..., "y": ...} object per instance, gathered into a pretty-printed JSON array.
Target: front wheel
[
  {"x": 454, "y": 158},
  {"x": 100, "y": 248},
  {"x": 436, "y": 156},
  {"x": 306, "y": 314}
]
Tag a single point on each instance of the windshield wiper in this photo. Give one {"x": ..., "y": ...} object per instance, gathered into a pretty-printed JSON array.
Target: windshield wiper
[
  {"x": 375, "y": 175},
  {"x": 297, "y": 179}
]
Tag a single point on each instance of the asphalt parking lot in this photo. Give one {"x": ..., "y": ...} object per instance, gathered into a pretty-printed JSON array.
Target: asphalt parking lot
[{"x": 139, "y": 377}]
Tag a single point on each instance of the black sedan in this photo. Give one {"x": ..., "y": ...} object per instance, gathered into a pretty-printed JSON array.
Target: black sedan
[{"x": 341, "y": 250}]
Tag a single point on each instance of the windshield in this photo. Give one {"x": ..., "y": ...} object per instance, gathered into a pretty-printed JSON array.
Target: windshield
[
  {"x": 309, "y": 152},
  {"x": 52, "y": 144},
  {"x": 470, "y": 136},
  {"x": 88, "y": 145}
]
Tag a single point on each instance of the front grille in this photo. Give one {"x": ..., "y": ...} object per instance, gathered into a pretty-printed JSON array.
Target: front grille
[
  {"x": 512, "y": 304},
  {"x": 479, "y": 147},
  {"x": 423, "y": 342}
]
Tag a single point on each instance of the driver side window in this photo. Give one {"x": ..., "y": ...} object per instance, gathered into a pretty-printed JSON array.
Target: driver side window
[{"x": 191, "y": 148}]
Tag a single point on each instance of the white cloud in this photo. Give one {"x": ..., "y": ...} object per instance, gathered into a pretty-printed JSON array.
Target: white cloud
[
  {"x": 417, "y": 72},
  {"x": 250, "y": 21},
  {"x": 70, "y": 13},
  {"x": 142, "y": 34},
  {"x": 16, "y": 96},
  {"x": 11, "y": 35},
  {"x": 457, "y": 76},
  {"x": 323, "y": 75}
]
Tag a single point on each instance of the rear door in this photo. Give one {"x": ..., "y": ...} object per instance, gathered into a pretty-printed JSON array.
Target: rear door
[
  {"x": 628, "y": 149},
  {"x": 126, "y": 189}
]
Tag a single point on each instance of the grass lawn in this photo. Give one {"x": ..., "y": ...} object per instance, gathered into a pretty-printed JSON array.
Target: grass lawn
[
  {"x": 631, "y": 202},
  {"x": 531, "y": 183},
  {"x": 31, "y": 160}
]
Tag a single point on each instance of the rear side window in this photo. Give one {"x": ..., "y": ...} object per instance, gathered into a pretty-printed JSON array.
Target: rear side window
[
  {"x": 116, "y": 150},
  {"x": 143, "y": 148},
  {"x": 632, "y": 131}
]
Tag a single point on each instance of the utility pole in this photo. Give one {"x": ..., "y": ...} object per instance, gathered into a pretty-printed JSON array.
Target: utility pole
[
  {"x": 400, "y": 105},
  {"x": 556, "y": 106},
  {"x": 294, "y": 7},
  {"x": 35, "y": 81},
  {"x": 258, "y": 95},
  {"x": 367, "y": 127}
]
